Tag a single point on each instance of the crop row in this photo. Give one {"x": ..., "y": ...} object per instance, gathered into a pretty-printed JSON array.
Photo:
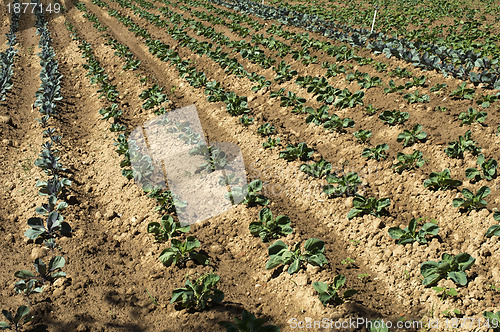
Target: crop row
[
  {"x": 7, "y": 57},
  {"x": 44, "y": 229}
]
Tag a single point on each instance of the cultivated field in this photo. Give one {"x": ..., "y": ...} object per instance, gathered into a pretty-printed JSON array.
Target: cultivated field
[{"x": 370, "y": 160}]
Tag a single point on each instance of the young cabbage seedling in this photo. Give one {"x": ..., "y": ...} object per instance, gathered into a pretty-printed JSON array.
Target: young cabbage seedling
[
  {"x": 368, "y": 205},
  {"x": 363, "y": 135},
  {"x": 198, "y": 294},
  {"x": 487, "y": 169},
  {"x": 409, "y": 234},
  {"x": 166, "y": 228},
  {"x": 472, "y": 201},
  {"x": 450, "y": 267},
  {"x": 317, "y": 170},
  {"x": 410, "y": 137},
  {"x": 27, "y": 288},
  {"x": 441, "y": 181},
  {"x": 376, "y": 153},
  {"x": 271, "y": 143},
  {"x": 247, "y": 323},
  {"x": 269, "y": 228},
  {"x": 408, "y": 161},
  {"x": 279, "y": 254},
  {"x": 249, "y": 194},
  {"x": 445, "y": 292},
  {"x": 472, "y": 116},
  {"x": 331, "y": 293},
  {"x": 495, "y": 229},
  {"x": 301, "y": 151},
  {"x": 180, "y": 252},
  {"x": 346, "y": 185},
  {"x": 464, "y": 143},
  {"x": 394, "y": 117},
  {"x": 266, "y": 129},
  {"x": 15, "y": 322},
  {"x": 45, "y": 273}
]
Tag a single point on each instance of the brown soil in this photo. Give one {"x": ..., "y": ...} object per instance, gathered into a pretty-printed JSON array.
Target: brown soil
[{"x": 111, "y": 260}]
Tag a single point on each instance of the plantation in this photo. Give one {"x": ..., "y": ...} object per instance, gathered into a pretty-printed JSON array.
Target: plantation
[{"x": 351, "y": 173}]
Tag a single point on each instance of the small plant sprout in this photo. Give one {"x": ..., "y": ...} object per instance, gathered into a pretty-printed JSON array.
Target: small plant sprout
[
  {"x": 271, "y": 142},
  {"x": 266, "y": 129},
  {"x": 408, "y": 161},
  {"x": 376, "y": 153},
  {"x": 495, "y": 229},
  {"x": 198, "y": 294},
  {"x": 180, "y": 252},
  {"x": 444, "y": 293},
  {"x": 248, "y": 323},
  {"x": 487, "y": 169},
  {"x": 166, "y": 228},
  {"x": 279, "y": 254},
  {"x": 348, "y": 262},
  {"x": 27, "y": 288},
  {"x": 363, "y": 277},
  {"x": 246, "y": 120},
  {"x": 441, "y": 181},
  {"x": 301, "y": 151},
  {"x": 472, "y": 201},
  {"x": 464, "y": 143},
  {"x": 17, "y": 320},
  {"x": 269, "y": 228},
  {"x": 345, "y": 185},
  {"x": 368, "y": 205},
  {"x": 409, "y": 234},
  {"x": 229, "y": 180},
  {"x": 317, "y": 170},
  {"x": 363, "y": 135},
  {"x": 330, "y": 294},
  {"x": 45, "y": 273},
  {"x": 450, "y": 267},
  {"x": 472, "y": 116},
  {"x": 410, "y": 137},
  {"x": 249, "y": 194}
]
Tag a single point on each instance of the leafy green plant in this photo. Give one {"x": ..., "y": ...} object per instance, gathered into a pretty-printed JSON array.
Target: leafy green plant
[
  {"x": 153, "y": 97},
  {"x": 392, "y": 87},
  {"x": 472, "y": 201},
  {"x": 348, "y": 262},
  {"x": 346, "y": 184},
  {"x": 363, "y": 135},
  {"x": 410, "y": 137},
  {"x": 394, "y": 117},
  {"x": 486, "y": 100},
  {"x": 450, "y": 267},
  {"x": 284, "y": 72},
  {"x": 248, "y": 323},
  {"x": 416, "y": 97},
  {"x": 199, "y": 294},
  {"x": 408, "y": 161},
  {"x": 166, "y": 228},
  {"x": 180, "y": 252},
  {"x": 348, "y": 99},
  {"x": 461, "y": 92},
  {"x": 444, "y": 293},
  {"x": 45, "y": 273},
  {"x": 48, "y": 226},
  {"x": 377, "y": 325},
  {"x": 331, "y": 293},
  {"x": 167, "y": 202},
  {"x": 280, "y": 255},
  {"x": 270, "y": 228},
  {"x": 368, "y": 205},
  {"x": 493, "y": 320},
  {"x": 380, "y": 66},
  {"x": 301, "y": 151},
  {"x": 246, "y": 120},
  {"x": 266, "y": 129},
  {"x": 370, "y": 110},
  {"x": 487, "y": 169},
  {"x": 441, "y": 181},
  {"x": 472, "y": 116},
  {"x": 495, "y": 229},
  {"x": 317, "y": 116},
  {"x": 440, "y": 109},
  {"x": 27, "y": 288},
  {"x": 401, "y": 73},
  {"x": 335, "y": 123},
  {"x": 438, "y": 87},
  {"x": 229, "y": 180},
  {"x": 409, "y": 234},
  {"x": 110, "y": 112},
  {"x": 271, "y": 143},
  {"x": 376, "y": 153},
  {"x": 317, "y": 170},
  {"x": 17, "y": 320},
  {"x": 235, "y": 105},
  {"x": 249, "y": 194},
  {"x": 464, "y": 143}
]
